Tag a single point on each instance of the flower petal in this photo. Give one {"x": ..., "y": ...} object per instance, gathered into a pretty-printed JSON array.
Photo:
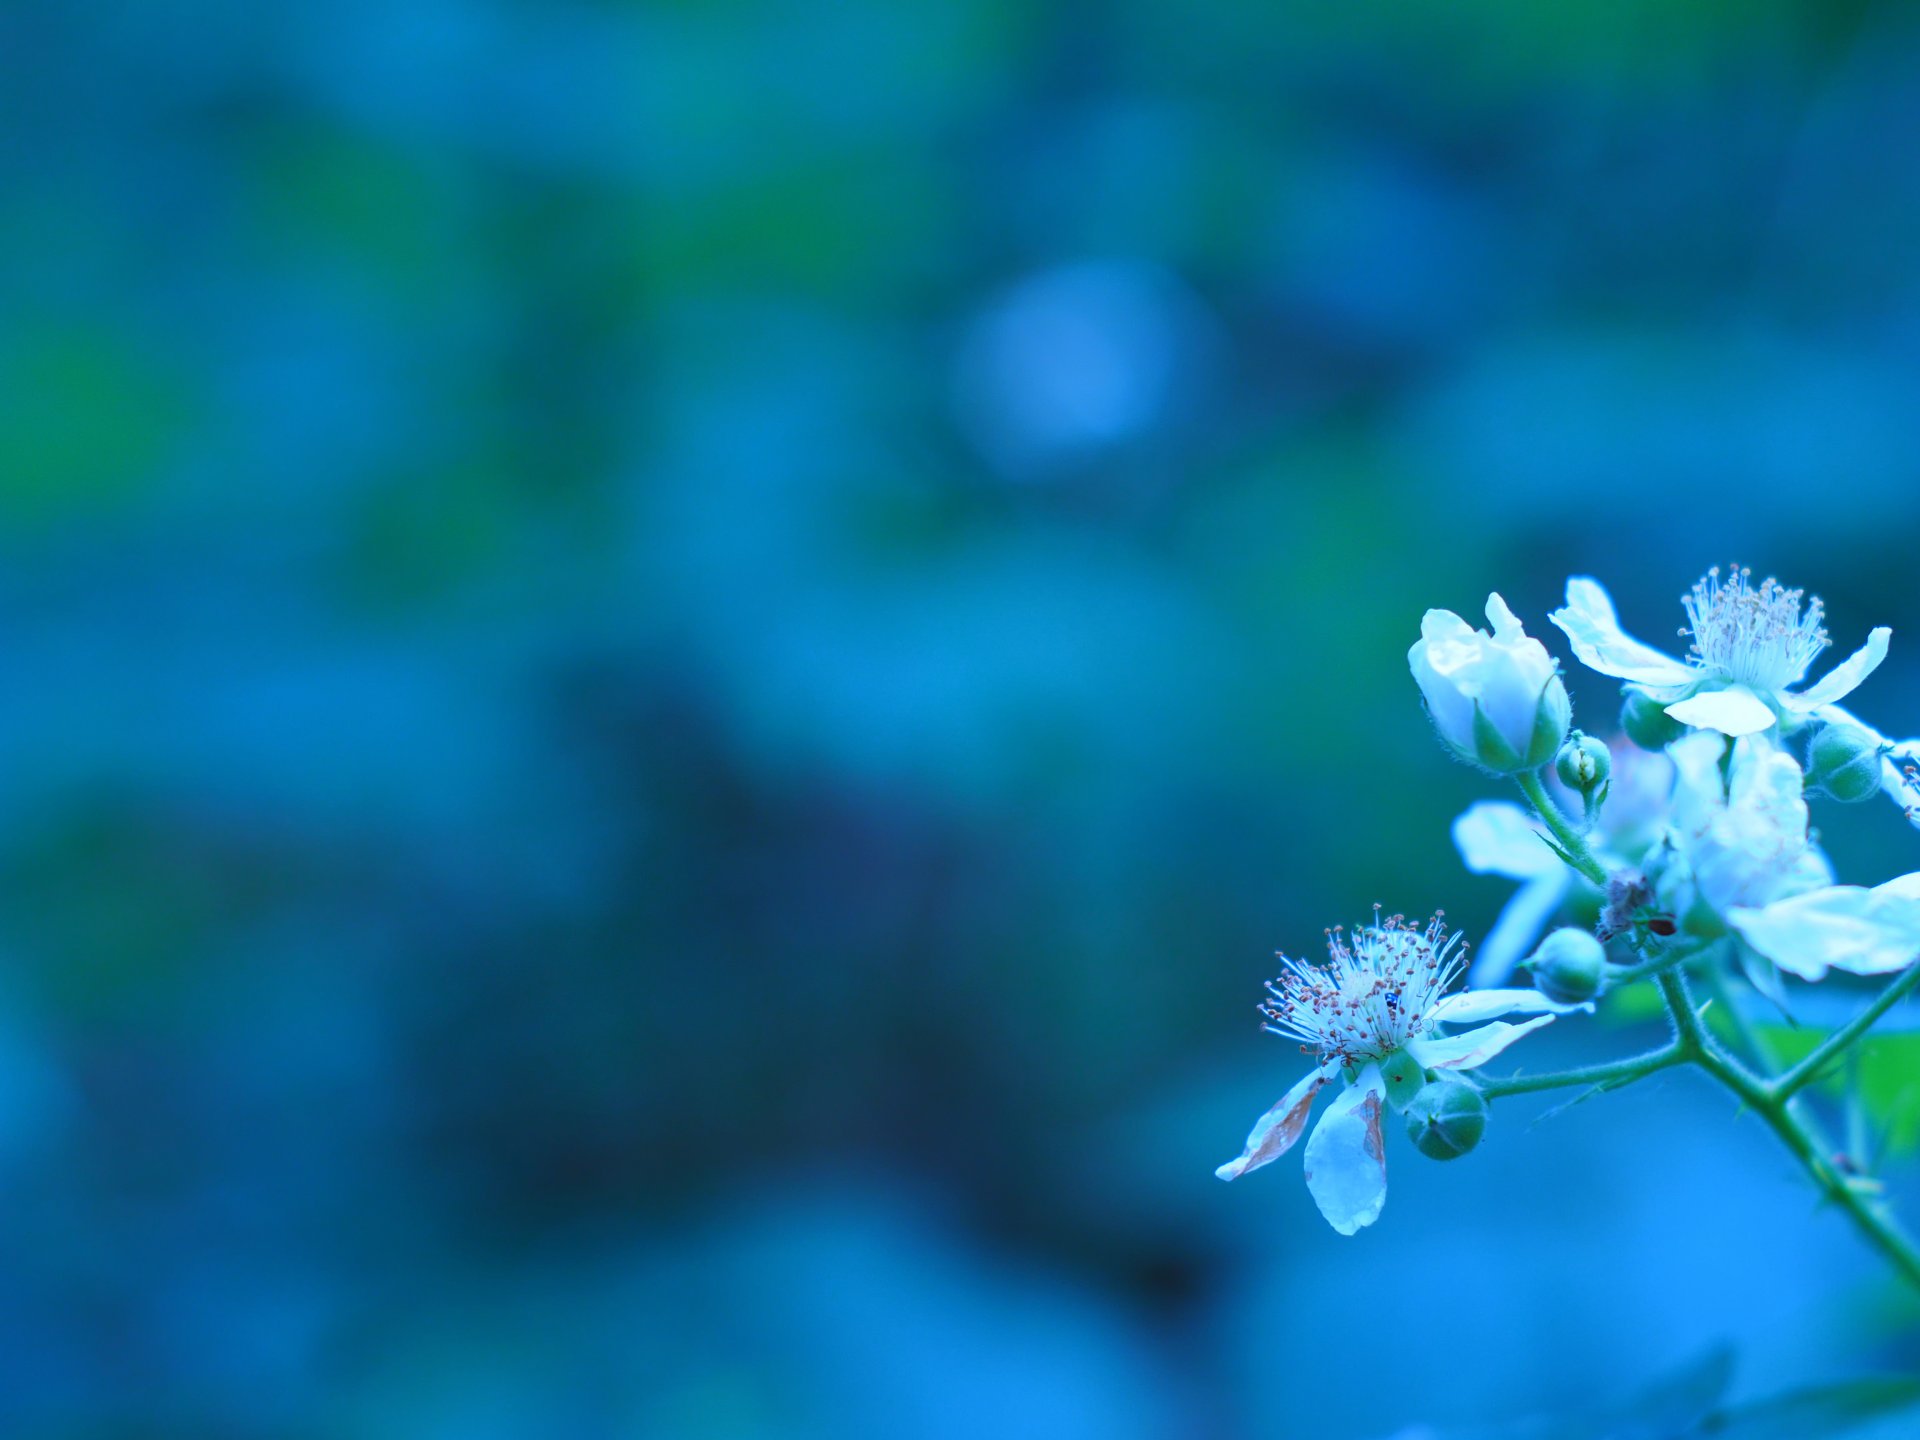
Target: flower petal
[
  {"x": 1468, "y": 1006},
  {"x": 1845, "y": 677},
  {"x": 1498, "y": 838},
  {"x": 1347, "y": 1157},
  {"x": 1590, "y": 625},
  {"x": 1473, "y": 1048},
  {"x": 1519, "y": 925},
  {"x": 1273, "y": 1133},
  {"x": 1735, "y": 710},
  {"x": 1846, "y": 927}
]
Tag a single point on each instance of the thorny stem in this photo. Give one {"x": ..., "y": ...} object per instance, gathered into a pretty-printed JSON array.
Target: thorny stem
[
  {"x": 1612, "y": 1074},
  {"x": 1809, "y": 1069},
  {"x": 1569, "y": 839},
  {"x": 1879, "y": 1227}
]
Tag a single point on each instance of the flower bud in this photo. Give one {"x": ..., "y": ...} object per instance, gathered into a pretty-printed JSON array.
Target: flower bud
[
  {"x": 1844, "y": 762},
  {"x": 1446, "y": 1119},
  {"x": 1583, "y": 765},
  {"x": 1646, "y": 721},
  {"x": 1569, "y": 967},
  {"x": 1496, "y": 699}
]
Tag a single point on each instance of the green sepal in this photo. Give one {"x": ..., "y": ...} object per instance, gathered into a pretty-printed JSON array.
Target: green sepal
[{"x": 1403, "y": 1076}]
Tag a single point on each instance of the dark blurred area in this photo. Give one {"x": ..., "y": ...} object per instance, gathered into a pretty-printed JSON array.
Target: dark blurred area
[{"x": 674, "y": 667}]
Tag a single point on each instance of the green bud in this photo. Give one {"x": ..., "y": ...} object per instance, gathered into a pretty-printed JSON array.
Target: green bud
[
  {"x": 1583, "y": 764},
  {"x": 1570, "y": 966},
  {"x": 1446, "y": 1119},
  {"x": 1646, "y": 721},
  {"x": 1844, "y": 762}
]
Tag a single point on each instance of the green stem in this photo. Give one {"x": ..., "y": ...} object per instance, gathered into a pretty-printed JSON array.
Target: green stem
[
  {"x": 1619, "y": 1072},
  {"x": 1626, "y": 974},
  {"x": 1881, "y": 1230},
  {"x": 1808, "y": 1070},
  {"x": 1569, "y": 839}
]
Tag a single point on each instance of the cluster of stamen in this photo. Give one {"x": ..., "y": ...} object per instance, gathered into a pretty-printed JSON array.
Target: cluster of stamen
[
  {"x": 1374, "y": 993},
  {"x": 1762, "y": 636}
]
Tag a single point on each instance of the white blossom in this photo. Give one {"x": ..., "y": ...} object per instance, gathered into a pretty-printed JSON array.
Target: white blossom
[
  {"x": 1380, "y": 996},
  {"x": 1749, "y": 643},
  {"x": 1847, "y": 927},
  {"x": 1741, "y": 826},
  {"x": 1496, "y": 698}
]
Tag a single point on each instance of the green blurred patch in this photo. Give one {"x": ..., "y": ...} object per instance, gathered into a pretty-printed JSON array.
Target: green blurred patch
[
  {"x": 1886, "y": 1073},
  {"x": 86, "y": 419}
]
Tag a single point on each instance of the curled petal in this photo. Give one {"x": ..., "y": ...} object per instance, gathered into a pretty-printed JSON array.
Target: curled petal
[
  {"x": 1472, "y": 1049},
  {"x": 1845, "y": 927},
  {"x": 1498, "y": 838},
  {"x": 1274, "y": 1133},
  {"x": 1845, "y": 677},
  {"x": 1735, "y": 710},
  {"x": 1347, "y": 1157},
  {"x": 1590, "y": 625},
  {"x": 1522, "y": 919},
  {"x": 1470, "y": 1006}
]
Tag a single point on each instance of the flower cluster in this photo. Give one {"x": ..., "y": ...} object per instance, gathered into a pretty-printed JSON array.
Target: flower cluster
[{"x": 1689, "y": 835}]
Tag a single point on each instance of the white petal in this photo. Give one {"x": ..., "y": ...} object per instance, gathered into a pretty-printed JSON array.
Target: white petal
[
  {"x": 1592, "y": 628},
  {"x": 1519, "y": 925},
  {"x": 1347, "y": 1157},
  {"x": 1506, "y": 625},
  {"x": 1273, "y": 1133},
  {"x": 1735, "y": 710},
  {"x": 1848, "y": 927},
  {"x": 1498, "y": 838},
  {"x": 1474, "y": 1047},
  {"x": 1845, "y": 677},
  {"x": 1469, "y": 1006}
]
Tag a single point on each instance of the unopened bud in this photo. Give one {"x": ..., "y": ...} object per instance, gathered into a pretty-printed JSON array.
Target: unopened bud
[
  {"x": 1844, "y": 762},
  {"x": 1446, "y": 1119},
  {"x": 1569, "y": 967},
  {"x": 1583, "y": 765},
  {"x": 1646, "y": 721}
]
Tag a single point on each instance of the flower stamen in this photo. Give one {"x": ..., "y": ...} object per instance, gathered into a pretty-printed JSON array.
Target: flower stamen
[
  {"x": 1763, "y": 637},
  {"x": 1373, "y": 994}
]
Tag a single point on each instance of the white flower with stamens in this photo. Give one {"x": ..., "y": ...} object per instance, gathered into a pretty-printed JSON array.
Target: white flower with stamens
[
  {"x": 1749, "y": 644},
  {"x": 1373, "y": 1014}
]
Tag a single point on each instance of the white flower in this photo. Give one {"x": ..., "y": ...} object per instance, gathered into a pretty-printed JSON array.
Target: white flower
[
  {"x": 1846, "y": 927},
  {"x": 1379, "y": 999},
  {"x": 1496, "y": 698},
  {"x": 1749, "y": 645},
  {"x": 1744, "y": 836},
  {"x": 1495, "y": 837}
]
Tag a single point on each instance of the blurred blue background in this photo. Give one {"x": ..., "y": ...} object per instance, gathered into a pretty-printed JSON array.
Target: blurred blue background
[{"x": 671, "y": 668}]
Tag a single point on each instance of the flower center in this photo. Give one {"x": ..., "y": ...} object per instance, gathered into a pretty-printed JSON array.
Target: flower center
[
  {"x": 1762, "y": 637},
  {"x": 1373, "y": 994}
]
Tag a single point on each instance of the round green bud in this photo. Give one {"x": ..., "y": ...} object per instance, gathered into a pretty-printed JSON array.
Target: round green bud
[
  {"x": 1570, "y": 966},
  {"x": 1583, "y": 764},
  {"x": 1646, "y": 721},
  {"x": 1446, "y": 1119},
  {"x": 1844, "y": 762}
]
